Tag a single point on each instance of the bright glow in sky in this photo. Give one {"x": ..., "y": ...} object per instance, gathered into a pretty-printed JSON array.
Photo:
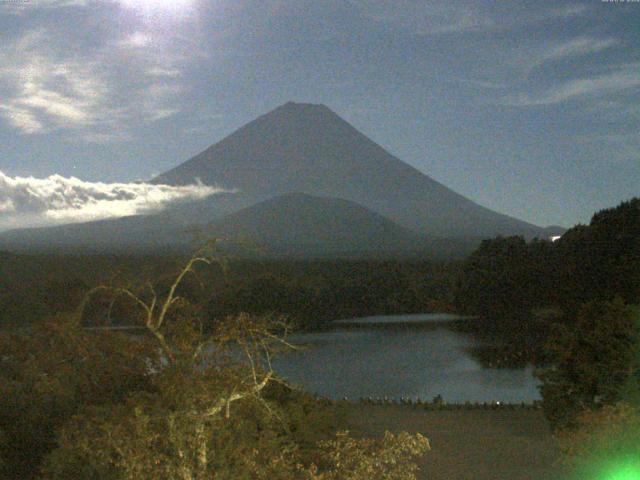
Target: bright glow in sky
[{"x": 150, "y": 6}]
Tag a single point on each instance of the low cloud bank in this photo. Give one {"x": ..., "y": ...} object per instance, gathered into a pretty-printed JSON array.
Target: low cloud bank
[{"x": 29, "y": 201}]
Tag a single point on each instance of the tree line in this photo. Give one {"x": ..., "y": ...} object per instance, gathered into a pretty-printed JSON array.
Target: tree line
[
  {"x": 509, "y": 277},
  {"x": 578, "y": 299},
  {"x": 310, "y": 293}
]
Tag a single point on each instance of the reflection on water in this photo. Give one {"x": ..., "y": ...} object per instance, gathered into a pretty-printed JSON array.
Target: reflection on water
[
  {"x": 389, "y": 319},
  {"x": 401, "y": 362}
]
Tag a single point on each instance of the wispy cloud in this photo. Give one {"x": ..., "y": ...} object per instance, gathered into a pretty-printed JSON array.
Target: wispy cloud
[
  {"x": 149, "y": 8},
  {"x": 97, "y": 93},
  {"x": 614, "y": 82},
  {"x": 614, "y": 149},
  {"x": 626, "y": 146},
  {"x": 21, "y": 118},
  {"x": 18, "y": 7},
  {"x": 28, "y": 201},
  {"x": 136, "y": 40},
  {"x": 572, "y": 48},
  {"x": 42, "y": 91},
  {"x": 527, "y": 59},
  {"x": 485, "y": 84},
  {"x": 620, "y": 110},
  {"x": 441, "y": 17},
  {"x": 425, "y": 19}
]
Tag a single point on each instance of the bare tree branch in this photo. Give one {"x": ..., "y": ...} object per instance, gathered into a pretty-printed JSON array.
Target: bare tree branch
[
  {"x": 234, "y": 397},
  {"x": 170, "y": 297}
]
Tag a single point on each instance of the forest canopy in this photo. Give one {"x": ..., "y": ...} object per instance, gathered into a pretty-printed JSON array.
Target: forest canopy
[{"x": 175, "y": 401}]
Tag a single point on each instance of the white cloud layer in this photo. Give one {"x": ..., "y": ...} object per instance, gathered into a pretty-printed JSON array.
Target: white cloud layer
[{"x": 29, "y": 201}]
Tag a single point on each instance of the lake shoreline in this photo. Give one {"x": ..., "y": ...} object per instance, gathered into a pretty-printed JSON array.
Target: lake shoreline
[{"x": 401, "y": 356}]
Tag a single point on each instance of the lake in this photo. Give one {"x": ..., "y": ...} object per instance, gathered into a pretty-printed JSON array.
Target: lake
[{"x": 410, "y": 356}]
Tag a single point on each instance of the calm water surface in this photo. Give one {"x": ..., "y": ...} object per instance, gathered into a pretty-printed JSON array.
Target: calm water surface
[{"x": 404, "y": 359}]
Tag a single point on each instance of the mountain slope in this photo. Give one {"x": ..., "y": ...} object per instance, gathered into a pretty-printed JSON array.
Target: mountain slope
[
  {"x": 386, "y": 204},
  {"x": 304, "y": 224},
  {"x": 308, "y": 148},
  {"x": 296, "y": 225},
  {"x": 140, "y": 233},
  {"x": 291, "y": 224}
]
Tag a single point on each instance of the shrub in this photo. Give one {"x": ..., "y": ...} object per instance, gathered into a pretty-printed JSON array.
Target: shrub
[{"x": 592, "y": 361}]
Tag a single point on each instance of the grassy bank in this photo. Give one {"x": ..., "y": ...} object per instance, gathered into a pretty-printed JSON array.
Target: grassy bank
[{"x": 469, "y": 444}]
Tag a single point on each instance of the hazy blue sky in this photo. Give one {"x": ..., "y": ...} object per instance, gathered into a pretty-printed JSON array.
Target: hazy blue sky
[{"x": 529, "y": 108}]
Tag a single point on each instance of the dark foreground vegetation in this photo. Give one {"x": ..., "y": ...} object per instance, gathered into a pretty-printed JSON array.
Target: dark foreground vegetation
[
  {"x": 521, "y": 290},
  {"x": 572, "y": 306},
  {"x": 506, "y": 278},
  {"x": 191, "y": 394},
  {"x": 175, "y": 401},
  {"x": 309, "y": 293}
]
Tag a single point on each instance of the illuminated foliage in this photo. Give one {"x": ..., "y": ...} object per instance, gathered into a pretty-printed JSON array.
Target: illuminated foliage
[
  {"x": 50, "y": 371},
  {"x": 173, "y": 401},
  {"x": 389, "y": 458}
]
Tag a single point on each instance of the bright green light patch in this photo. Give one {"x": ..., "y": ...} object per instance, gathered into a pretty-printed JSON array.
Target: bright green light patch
[
  {"x": 629, "y": 471},
  {"x": 626, "y": 467}
]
